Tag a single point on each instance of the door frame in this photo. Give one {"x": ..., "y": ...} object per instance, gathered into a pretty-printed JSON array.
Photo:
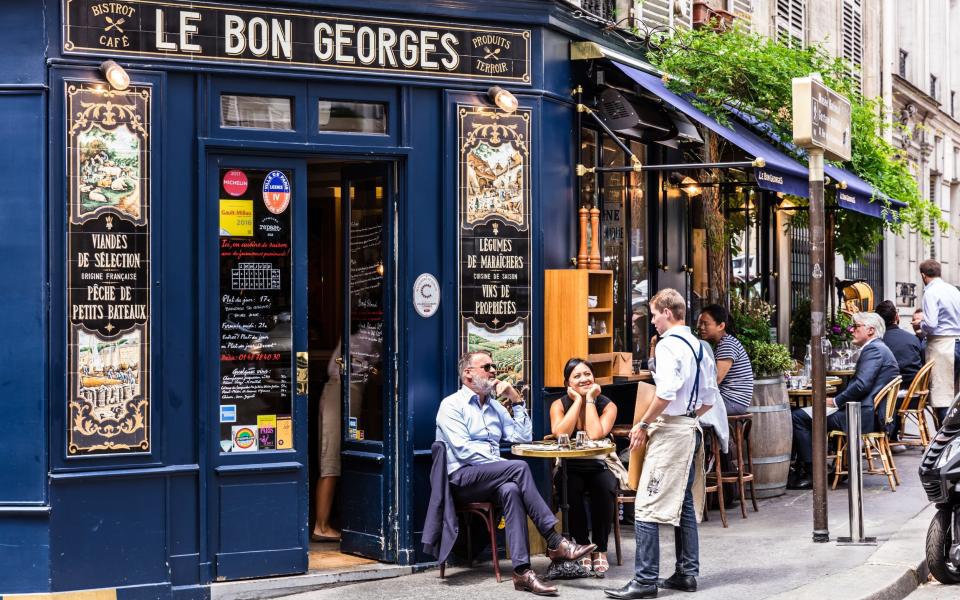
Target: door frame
[{"x": 394, "y": 498}]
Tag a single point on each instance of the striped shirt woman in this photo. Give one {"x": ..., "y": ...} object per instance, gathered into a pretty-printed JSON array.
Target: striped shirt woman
[{"x": 734, "y": 370}]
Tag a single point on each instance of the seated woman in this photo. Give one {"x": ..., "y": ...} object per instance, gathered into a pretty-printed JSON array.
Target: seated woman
[
  {"x": 584, "y": 409},
  {"x": 734, "y": 370}
]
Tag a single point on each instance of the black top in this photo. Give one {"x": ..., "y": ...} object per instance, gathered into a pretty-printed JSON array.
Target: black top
[
  {"x": 907, "y": 350},
  {"x": 602, "y": 402}
]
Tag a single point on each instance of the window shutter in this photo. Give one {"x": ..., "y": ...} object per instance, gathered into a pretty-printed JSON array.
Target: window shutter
[
  {"x": 791, "y": 22},
  {"x": 742, "y": 10},
  {"x": 853, "y": 38},
  {"x": 656, "y": 13}
]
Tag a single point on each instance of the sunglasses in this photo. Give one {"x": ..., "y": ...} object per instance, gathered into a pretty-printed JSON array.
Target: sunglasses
[{"x": 487, "y": 367}]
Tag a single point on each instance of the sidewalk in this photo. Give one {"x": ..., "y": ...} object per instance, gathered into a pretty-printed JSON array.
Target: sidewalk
[{"x": 768, "y": 555}]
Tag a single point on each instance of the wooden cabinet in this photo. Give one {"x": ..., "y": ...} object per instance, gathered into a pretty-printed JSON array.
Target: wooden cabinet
[{"x": 573, "y": 328}]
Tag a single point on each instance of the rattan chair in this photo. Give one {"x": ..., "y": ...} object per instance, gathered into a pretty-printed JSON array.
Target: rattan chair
[
  {"x": 874, "y": 441},
  {"x": 918, "y": 393}
]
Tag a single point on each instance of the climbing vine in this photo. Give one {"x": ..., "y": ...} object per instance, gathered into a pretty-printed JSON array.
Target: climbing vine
[{"x": 752, "y": 74}]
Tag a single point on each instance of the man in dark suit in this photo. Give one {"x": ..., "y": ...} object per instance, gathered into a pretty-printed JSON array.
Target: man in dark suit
[
  {"x": 875, "y": 368},
  {"x": 904, "y": 345}
]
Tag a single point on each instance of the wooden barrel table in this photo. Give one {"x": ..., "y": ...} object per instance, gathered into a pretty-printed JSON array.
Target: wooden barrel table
[{"x": 771, "y": 437}]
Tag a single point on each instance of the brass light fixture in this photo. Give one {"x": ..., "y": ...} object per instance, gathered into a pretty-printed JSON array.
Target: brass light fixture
[
  {"x": 504, "y": 100},
  {"x": 115, "y": 75}
]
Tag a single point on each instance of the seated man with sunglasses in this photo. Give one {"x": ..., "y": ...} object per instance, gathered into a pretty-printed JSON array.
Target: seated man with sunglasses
[
  {"x": 875, "y": 368},
  {"x": 473, "y": 424}
]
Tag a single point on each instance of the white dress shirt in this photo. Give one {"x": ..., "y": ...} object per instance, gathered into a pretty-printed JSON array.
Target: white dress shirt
[
  {"x": 941, "y": 308},
  {"x": 676, "y": 371}
]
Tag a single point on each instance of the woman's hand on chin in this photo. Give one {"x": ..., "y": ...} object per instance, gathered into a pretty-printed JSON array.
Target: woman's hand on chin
[
  {"x": 573, "y": 395},
  {"x": 593, "y": 392}
]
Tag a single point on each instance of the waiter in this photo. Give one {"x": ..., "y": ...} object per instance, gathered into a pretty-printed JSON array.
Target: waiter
[
  {"x": 686, "y": 388},
  {"x": 941, "y": 322}
]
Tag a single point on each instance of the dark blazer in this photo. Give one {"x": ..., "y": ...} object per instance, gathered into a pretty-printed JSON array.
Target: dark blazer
[
  {"x": 876, "y": 367},
  {"x": 440, "y": 529},
  {"x": 906, "y": 349}
]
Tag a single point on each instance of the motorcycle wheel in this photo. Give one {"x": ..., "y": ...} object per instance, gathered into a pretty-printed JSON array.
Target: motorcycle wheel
[{"x": 939, "y": 539}]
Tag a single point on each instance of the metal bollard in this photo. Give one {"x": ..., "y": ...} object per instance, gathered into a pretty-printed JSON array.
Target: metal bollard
[{"x": 855, "y": 483}]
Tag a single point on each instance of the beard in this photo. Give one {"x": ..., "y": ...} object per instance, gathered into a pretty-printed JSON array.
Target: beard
[{"x": 487, "y": 386}]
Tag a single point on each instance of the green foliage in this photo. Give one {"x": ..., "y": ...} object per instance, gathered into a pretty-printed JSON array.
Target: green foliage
[
  {"x": 753, "y": 73},
  {"x": 769, "y": 359},
  {"x": 751, "y": 318}
]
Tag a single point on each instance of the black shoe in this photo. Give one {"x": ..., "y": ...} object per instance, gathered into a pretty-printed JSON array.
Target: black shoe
[
  {"x": 802, "y": 483},
  {"x": 633, "y": 589},
  {"x": 684, "y": 583}
]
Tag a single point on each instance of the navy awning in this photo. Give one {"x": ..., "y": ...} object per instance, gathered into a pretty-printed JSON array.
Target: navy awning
[
  {"x": 859, "y": 196},
  {"x": 853, "y": 193},
  {"x": 781, "y": 173}
]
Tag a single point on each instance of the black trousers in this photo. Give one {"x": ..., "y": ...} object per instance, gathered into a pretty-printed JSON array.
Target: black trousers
[
  {"x": 803, "y": 432},
  {"x": 590, "y": 478},
  {"x": 509, "y": 484}
]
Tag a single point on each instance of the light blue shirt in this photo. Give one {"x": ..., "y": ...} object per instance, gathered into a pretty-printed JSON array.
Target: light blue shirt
[
  {"x": 941, "y": 308},
  {"x": 473, "y": 433}
]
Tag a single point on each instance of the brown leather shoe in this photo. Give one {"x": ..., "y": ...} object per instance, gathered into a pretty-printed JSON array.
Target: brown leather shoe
[
  {"x": 567, "y": 550},
  {"x": 530, "y": 582}
]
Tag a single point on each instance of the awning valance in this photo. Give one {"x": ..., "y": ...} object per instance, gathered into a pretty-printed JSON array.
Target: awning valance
[{"x": 781, "y": 173}]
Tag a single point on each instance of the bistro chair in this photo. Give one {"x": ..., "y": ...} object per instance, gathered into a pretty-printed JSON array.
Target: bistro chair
[
  {"x": 714, "y": 474},
  {"x": 484, "y": 510},
  {"x": 874, "y": 441},
  {"x": 917, "y": 394},
  {"x": 623, "y": 498}
]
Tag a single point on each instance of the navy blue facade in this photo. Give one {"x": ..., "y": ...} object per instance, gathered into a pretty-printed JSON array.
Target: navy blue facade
[{"x": 152, "y": 525}]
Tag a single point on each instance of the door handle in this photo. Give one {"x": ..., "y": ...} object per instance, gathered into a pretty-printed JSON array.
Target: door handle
[{"x": 343, "y": 367}]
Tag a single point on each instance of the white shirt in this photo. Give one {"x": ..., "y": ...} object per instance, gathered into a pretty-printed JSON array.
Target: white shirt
[
  {"x": 676, "y": 372},
  {"x": 941, "y": 308}
]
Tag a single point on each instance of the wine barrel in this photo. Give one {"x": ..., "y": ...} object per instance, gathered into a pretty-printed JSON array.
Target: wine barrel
[{"x": 771, "y": 437}]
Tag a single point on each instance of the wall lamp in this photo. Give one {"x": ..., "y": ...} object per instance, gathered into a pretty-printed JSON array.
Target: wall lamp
[
  {"x": 115, "y": 75},
  {"x": 688, "y": 184},
  {"x": 504, "y": 100}
]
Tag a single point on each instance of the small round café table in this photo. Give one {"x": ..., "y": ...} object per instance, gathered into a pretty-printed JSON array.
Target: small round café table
[
  {"x": 550, "y": 449},
  {"x": 804, "y": 396}
]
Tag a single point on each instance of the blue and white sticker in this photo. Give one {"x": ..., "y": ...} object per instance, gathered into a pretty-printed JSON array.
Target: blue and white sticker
[
  {"x": 228, "y": 413},
  {"x": 276, "y": 192}
]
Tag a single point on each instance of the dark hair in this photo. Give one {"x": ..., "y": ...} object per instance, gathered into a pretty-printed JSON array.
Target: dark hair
[
  {"x": 887, "y": 312},
  {"x": 930, "y": 268},
  {"x": 720, "y": 315},
  {"x": 572, "y": 364}
]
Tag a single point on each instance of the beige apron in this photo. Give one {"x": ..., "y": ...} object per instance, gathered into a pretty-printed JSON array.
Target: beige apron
[
  {"x": 940, "y": 351},
  {"x": 666, "y": 468}
]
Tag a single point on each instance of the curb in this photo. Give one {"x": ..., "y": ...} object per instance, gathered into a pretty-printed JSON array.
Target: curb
[
  {"x": 297, "y": 584},
  {"x": 895, "y": 570}
]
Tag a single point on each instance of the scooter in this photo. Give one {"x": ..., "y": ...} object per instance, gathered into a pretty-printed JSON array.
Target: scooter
[{"x": 940, "y": 476}]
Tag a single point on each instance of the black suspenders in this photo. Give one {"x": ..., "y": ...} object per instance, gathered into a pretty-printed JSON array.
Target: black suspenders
[{"x": 695, "y": 394}]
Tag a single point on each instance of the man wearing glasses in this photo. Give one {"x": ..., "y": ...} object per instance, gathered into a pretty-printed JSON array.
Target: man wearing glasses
[
  {"x": 875, "y": 368},
  {"x": 473, "y": 424}
]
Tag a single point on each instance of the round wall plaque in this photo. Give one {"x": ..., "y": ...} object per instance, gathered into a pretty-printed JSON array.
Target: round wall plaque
[{"x": 426, "y": 295}]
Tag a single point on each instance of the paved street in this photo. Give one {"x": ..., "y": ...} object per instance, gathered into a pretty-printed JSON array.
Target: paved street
[{"x": 767, "y": 554}]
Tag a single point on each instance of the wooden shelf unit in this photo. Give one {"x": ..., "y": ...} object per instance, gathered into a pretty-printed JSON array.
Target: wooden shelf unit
[{"x": 568, "y": 317}]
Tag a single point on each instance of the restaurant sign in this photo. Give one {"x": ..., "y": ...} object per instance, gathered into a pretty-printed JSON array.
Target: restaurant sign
[
  {"x": 223, "y": 33},
  {"x": 494, "y": 224},
  {"x": 821, "y": 118}
]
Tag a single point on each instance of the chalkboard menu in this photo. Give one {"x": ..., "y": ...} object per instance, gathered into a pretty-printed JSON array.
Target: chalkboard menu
[
  {"x": 255, "y": 310},
  {"x": 494, "y": 199},
  {"x": 108, "y": 269}
]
